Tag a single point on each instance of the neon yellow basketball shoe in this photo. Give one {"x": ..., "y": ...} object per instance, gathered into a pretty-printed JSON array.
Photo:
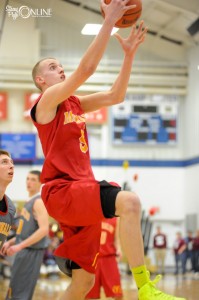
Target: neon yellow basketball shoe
[{"x": 150, "y": 292}]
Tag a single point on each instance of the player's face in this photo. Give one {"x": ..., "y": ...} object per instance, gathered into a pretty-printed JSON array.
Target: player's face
[
  {"x": 33, "y": 184},
  {"x": 6, "y": 169},
  {"x": 51, "y": 72}
]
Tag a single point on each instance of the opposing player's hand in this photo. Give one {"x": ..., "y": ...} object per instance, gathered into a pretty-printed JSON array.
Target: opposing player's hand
[{"x": 135, "y": 38}]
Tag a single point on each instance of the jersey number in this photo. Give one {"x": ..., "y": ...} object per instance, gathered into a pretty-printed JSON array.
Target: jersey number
[
  {"x": 103, "y": 238},
  {"x": 83, "y": 143},
  {"x": 20, "y": 226}
]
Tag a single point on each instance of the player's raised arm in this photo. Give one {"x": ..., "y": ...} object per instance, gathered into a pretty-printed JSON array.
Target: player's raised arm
[
  {"x": 118, "y": 90},
  {"x": 49, "y": 75}
]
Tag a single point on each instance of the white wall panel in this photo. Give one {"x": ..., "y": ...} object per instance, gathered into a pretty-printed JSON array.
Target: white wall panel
[
  {"x": 20, "y": 39},
  {"x": 191, "y": 108}
]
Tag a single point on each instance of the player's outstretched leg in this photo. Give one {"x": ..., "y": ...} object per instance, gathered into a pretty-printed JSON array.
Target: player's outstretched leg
[{"x": 128, "y": 207}]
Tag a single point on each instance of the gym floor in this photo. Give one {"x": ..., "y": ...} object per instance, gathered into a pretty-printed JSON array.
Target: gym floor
[{"x": 53, "y": 287}]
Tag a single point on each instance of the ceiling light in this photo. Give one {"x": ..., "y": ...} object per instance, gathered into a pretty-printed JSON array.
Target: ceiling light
[{"x": 93, "y": 29}]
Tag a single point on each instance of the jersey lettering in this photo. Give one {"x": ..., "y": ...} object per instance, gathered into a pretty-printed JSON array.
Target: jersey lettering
[
  {"x": 69, "y": 117},
  {"x": 4, "y": 228}
]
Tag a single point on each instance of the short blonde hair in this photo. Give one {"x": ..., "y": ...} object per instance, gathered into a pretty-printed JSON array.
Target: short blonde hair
[{"x": 35, "y": 70}]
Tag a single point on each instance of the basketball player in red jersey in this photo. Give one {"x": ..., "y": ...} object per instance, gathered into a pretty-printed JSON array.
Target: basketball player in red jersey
[
  {"x": 71, "y": 193},
  {"x": 107, "y": 273}
]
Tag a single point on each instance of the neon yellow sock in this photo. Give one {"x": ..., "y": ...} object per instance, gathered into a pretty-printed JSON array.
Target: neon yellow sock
[{"x": 140, "y": 275}]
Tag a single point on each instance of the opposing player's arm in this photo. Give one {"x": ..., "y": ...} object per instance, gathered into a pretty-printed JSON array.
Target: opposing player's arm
[
  {"x": 41, "y": 215},
  {"x": 118, "y": 90}
]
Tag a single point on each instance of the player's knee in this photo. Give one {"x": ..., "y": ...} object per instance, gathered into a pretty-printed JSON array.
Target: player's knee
[
  {"x": 130, "y": 204},
  {"x": 133, "y": 204}
]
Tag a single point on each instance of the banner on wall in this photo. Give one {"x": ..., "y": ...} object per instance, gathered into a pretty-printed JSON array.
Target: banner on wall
[
  {"x": 146, "y": 119},
  {"x": 3, "y": 106},
  {"x": 22, "y": 146},
  {"x": 30, "y": 99},
  {"x": 97, "y": 117}
]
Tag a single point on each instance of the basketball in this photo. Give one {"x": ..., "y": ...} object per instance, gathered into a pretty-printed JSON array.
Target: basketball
[{"x": 130, "y": 17}]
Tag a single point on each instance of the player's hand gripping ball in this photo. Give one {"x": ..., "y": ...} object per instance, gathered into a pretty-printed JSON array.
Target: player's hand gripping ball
[{"x": 131, "y": 16}]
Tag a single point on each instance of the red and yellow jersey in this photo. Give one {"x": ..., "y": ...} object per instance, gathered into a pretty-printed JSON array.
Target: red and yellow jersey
[
  {"x": 107, "y": 272},
  {"x": 107, "y": 241},
  {"x": 65, "y": 143},
  {"x": 71, "y": 194}
]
